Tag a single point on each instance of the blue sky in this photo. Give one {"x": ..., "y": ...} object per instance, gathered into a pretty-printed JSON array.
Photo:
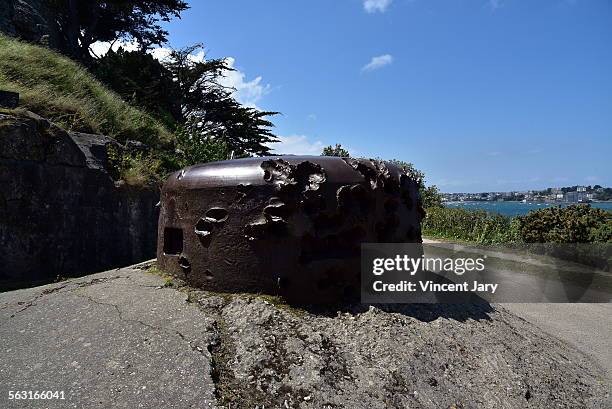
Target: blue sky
[{"x": 480, "y": 95}]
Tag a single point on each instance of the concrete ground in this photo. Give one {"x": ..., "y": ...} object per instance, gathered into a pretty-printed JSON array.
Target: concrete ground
[
  {"x": 115, "y": 339},
  {"x": 126, "y": 339},
  {"x": 587, "y": 327}
]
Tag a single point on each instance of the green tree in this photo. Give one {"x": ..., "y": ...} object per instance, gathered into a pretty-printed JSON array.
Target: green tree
[
  {"x": 209, "y": 109},
  {"x": 337, "y": 150},
  {"x": 142, "y": 80},
  {"x": 430, "y": 195},
  {"x": 409, "y": 168},
  {"x": 606, "y": 194},
  {"x": 83, "y": 22}
]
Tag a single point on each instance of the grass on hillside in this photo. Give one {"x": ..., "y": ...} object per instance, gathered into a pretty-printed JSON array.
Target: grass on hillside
[{"x": 63, "y": 91}]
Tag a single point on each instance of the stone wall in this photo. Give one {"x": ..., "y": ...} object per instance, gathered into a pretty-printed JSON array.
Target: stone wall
[
  {"x": 61, "y": 214},
  {"x": 30, "y": 20}
]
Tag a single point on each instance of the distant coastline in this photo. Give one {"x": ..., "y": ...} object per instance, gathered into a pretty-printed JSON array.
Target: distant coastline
[{"x": 551, "y": 195}]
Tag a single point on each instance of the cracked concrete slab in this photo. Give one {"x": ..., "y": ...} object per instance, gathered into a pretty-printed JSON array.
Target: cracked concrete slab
[
  {"x": 125, "y": 339},
  {"x": 115, "y": 339},
  {"x": 395, "y": 356}
]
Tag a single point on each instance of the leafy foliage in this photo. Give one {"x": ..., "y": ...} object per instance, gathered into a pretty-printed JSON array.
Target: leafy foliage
[
  {"x": 193, "y": 147},
  {"x": 134, "y": 168},
  {"x": 337, "y": 150},
  {"x": 409, "y": 168},
  {"x": 186, "y": 93},
  {"x": 143, "y": 81},
  {"x": 209, "y": 108},
  {"x": 604, "y": 194},
  {"x": 430, "y": 195},
  {"x": 83, "y": 22},
  {"x": 469, "y": 225},
  {"x": 572, "y": 224}
]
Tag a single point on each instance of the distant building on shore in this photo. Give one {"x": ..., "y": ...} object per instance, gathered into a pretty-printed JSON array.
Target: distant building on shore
[
  {"x": 578, "y": 196},
  {"x": 570, "y": 194}
]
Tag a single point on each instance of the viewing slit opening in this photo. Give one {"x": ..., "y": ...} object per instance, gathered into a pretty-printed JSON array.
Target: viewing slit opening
[{"x": 173, "y": 241}]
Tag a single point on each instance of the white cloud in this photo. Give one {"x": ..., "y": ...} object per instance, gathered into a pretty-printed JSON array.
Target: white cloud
[
  {"x": 200, "y": 56},
  {"x": 378, "y": 62},
  {"x": 296, "y": 145},
  {"x": 160, "y": 53},
  {"x": 100, "y": 48},
  {"x": 246, "y": 92},
  {"x": 376, "y": 6}
]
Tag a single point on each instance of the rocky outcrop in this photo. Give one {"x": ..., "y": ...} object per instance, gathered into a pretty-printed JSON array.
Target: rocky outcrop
[
  {"x": 61, "y": 213},
  {"x": 30, "y": 20}
]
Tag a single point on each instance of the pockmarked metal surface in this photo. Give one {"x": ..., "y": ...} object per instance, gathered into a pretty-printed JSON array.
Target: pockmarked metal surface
[{"x": 290, "y": 225}]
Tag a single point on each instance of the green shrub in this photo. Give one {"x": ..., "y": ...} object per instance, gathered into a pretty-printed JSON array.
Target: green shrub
[
  {"x": 572, "y": 224},
  {"x": 430, "y": 196},
  {"x": 468, "y": 225},
  {"x": 135, "y": 168},
  {"x": 194, "y": 147}
]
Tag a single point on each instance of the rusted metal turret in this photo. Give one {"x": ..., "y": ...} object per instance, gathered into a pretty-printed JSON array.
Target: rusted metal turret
[{"x": 290, "y": 225}]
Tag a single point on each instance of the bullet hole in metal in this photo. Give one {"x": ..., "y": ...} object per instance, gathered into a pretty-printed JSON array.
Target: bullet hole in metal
[
  {"x": 276, "y": 210},
  {"x": 204, "y": 230},
  {"x": 217, "y": 214},
  {"x": 185, "y": 264},
  {"x": 266, "y": 229}
]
